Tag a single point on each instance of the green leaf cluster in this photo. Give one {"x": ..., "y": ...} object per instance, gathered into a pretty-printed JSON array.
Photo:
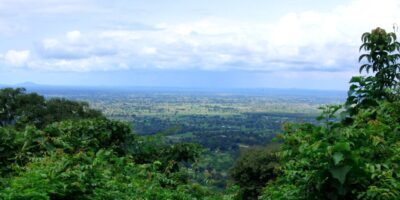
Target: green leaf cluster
[
  {"x": 381, "y": 53},
  {"x": 355, "y": 156},
  {"x": 359, "y": 161}
]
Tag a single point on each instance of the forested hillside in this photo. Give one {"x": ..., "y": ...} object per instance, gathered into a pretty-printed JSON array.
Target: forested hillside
[
  {"x": 61, "y": 149},
  {"x": 55, "y": 148}
]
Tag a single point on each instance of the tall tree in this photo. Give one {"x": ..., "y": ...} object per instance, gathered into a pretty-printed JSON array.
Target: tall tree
[
  {"x": 381, "y": 55},
  {"x": 9, "y": 105}
]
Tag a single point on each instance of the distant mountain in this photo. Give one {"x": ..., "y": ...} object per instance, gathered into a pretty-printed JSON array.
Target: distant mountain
[
  {"x": 27, "y": 84},
  {"x": 24, "y": 85}
]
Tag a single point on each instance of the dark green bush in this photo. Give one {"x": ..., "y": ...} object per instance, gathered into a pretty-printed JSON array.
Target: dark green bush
[
  {"x": 94, "y": 175},
  {"x": 254, "y": 168}
]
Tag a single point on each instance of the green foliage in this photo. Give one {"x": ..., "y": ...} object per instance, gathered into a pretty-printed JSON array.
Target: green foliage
[
  {"x": 148, "y": 149},
  {"x": 343, "y": 162},
  {"x": 211, "y": 169},
  {"x": 362, "y": 94},
  {"x": 84, "y": 157},
  {"x": 63, "y": 109},
  {"x": 357, "y": 160},
  {"x": 381, "y": 55},
  {"x": 95, "y": 175},
  {"x": 88, "y": 135},
  {"x": 9, "y": 105},
  {"x": 254, "y": 168},
  {"x": 16, "y": 147},
  {"x": 21, "y": 109},
  {"x": 31, "y": 109},
  {"x": 79, "y": 160}
]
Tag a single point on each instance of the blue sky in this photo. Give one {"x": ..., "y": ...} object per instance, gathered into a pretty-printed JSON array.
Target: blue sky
[{"x": 187, "y": 43}]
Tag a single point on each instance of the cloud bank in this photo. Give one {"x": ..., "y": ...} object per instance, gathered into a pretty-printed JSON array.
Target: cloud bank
[{"x": 309, "y": 41}]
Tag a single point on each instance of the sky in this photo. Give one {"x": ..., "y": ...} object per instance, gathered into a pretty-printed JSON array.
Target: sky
[{"x": 305, "y": 44}]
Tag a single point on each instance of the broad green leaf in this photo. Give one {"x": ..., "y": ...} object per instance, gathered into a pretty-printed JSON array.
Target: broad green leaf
[
  {"x": 355, "y": 79},
  {"x": 337, "y": 158},
  {"x": 353, "y": 87},
  {"x": 340, "y": 173},
  {"x": 342, "y": 146}
]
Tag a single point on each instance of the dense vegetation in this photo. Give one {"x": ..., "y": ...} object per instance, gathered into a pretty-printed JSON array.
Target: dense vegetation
[
  {"x": 356, "y": 157},
  {"x": 20, "y": 109},
  {"x": 254, "y": 168},
  {"x": 75, "y": 154},
  {"x": 63, "y": 149}
]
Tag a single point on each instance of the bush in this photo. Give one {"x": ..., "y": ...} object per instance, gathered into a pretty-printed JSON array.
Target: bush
[
  {"x": 360, "y": 161},
  {"x": 254, "y": 168},
  {"x": 93, "y": 175}
]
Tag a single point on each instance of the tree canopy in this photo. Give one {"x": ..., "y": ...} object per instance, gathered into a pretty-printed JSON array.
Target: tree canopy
[{"x": 21, "y": 109}]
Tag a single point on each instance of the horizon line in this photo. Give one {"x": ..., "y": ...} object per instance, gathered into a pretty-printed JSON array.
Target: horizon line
[{"x": 33, "y": 85}]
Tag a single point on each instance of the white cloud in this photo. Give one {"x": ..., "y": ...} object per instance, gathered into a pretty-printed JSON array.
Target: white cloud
[
  {"x": 50, "y": 43},
  {"x": 92, "y": 63},
  {"x": 298, "y": 41},
  {"x": 73, "y": 36},
  {"x": 47, "y": 6},
  {"x": 149, "y": 50},
  {"x": 17, "y": 58}
]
